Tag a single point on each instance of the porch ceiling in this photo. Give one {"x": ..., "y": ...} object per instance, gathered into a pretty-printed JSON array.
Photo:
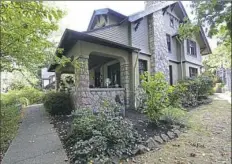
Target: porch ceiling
[{"x": 97, "y": 60}]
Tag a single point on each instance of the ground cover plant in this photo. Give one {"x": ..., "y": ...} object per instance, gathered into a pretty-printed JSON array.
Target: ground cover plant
[{"x": 101, "y": 137}]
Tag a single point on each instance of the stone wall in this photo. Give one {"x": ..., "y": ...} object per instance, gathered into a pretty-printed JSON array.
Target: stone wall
[{"x": 94, "y": 96}]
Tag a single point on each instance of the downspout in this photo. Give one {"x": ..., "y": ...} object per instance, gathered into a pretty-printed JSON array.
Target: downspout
[{"x": 181, "y": 64}]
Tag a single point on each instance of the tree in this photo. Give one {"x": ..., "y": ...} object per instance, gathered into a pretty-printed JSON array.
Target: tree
[
  {"x": 221, "y": 57},
  {"x": 25, "y": 29},
  {"x": 215, "y": 17}
]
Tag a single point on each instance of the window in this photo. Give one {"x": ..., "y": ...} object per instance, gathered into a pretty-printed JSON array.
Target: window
[
  {"x": 171, "y": 21},
  {"x": 193, "y": 72},
  {"x": 142, "y": 67},
  {"x": 191, "y": 47},
  {"x": 168, "y": 42},
  {"x": 170, "y": 75}
]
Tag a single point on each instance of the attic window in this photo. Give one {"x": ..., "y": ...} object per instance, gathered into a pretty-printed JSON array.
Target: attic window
[{"x": 171, "y": 21}]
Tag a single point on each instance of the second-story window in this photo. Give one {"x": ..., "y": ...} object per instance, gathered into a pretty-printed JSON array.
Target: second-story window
[
  {"x": 171, "y": 21},
  {"x": 191, "y": 47},
  {"x": 169, "y": 42}
]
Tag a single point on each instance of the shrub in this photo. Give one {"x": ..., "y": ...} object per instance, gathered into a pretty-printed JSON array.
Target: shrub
[
  {"x": 9, "y": 118},
  {"x": 101, "y": 137},
  {"x": 57, "y": 103},
  {"x": 173, "y": 115},
  {"x": 157, "y": 90},
  {"x": 197, "y": 89},
  {"x": 175, "y": 95},
  {"x": 24, "y": 96}
]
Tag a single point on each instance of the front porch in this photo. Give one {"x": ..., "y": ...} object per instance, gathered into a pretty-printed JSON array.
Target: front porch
[{"x": 104, "y": 73}]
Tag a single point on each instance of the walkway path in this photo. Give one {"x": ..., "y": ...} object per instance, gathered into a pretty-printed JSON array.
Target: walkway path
[
  {"x": 222, "y": 96},
  {"x": 36, "y": 142}
]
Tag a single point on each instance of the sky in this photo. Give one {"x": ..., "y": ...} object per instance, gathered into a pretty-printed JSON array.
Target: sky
[{"x": 79, "y": 13}]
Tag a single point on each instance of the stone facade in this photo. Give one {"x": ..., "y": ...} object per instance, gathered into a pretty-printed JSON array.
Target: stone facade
[
  {"x": 158, "y": 45},
  {"x": 81, "y": 96},
  {"x": 93, "y": 97},
  {"x": 125, "y": 81}
]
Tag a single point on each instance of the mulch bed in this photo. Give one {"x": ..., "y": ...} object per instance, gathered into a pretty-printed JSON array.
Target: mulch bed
[{"x": 147, "y": 130}]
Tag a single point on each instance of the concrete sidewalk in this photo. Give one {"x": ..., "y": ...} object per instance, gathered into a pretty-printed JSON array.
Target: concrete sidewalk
[
  {"x": 37, "y": 141},
  {"x": 222, "y": 96}
]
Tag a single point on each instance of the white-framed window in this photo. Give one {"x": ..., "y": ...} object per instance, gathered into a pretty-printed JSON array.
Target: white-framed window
[
  {"x": 191, "y": 47},
  {"x": 193, "y": 72}
]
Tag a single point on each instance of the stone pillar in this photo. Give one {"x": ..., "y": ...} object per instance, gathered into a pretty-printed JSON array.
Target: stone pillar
[
  {"x": 58, "y": 78},
  {"x": 158, "y": 44},
  {"x": 125, "y": 81},
  {"x": 81, "y": 95}
]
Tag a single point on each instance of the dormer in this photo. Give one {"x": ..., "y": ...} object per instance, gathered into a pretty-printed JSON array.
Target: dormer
[{"x": 105, "y": 17}]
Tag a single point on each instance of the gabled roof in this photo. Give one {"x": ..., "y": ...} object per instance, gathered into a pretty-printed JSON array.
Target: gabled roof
[
  {"x": 149, "y": 11},
  {"x": 105, "y": 11},
  {"x": 153, "y": 9},
  {"x": 70, "y": 38}
]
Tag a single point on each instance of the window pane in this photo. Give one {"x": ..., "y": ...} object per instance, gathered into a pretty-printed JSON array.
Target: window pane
[{"x": 168, "y": 42}]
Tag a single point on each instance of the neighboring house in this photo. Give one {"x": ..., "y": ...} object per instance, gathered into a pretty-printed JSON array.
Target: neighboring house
[
  {"x": 122, "y": 47},
  {"x": 47, "y": 78}
]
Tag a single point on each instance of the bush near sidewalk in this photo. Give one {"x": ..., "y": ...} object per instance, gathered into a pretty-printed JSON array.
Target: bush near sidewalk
[
  {"x": 10, "y": 117},
  {"x": 57, "y": 103}
]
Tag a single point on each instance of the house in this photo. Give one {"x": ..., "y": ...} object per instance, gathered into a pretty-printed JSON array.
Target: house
[
  {"x": 47, "y": 78},
  {"x": 116, "y": 49}
]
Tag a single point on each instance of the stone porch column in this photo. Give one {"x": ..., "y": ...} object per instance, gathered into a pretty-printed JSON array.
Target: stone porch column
[
  {"x": 81, "y": 96},
  {"x": 125, "y": 81},
  {"x": 57, "y": 82}
]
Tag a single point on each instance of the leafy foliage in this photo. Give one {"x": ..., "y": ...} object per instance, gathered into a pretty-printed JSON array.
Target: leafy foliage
[
  {"x": 174, "y": 116},
  {"x": 215, "y": 16},
  {"x": 9, "y": 118},
  {"x": 11, "y": 103},
  {"x": 24, "y": 96},
  {"x": 221, "y": 56},
  {"x": 101, "y": 137},
  {"x": 175, "y": 95},
  {"x": 197, "y": 89},
  {"x": 25, "y": 28},
  {"x": 57, "y": 103},
  {"x": 157, "y": 90}
]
